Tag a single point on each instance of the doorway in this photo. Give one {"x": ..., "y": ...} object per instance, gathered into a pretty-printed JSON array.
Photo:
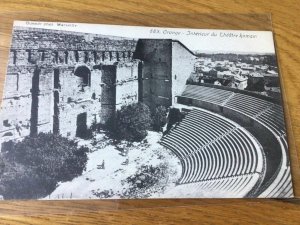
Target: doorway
[{"x": 81, "y": 130}]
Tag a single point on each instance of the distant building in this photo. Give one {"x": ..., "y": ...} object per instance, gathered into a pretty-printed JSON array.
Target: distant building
[
  {"x": 271, "y": 79},
  {"x": 240, "y": 82},
  {"x": 225, "y": 75},
  {"x": 273, "y": 92}
]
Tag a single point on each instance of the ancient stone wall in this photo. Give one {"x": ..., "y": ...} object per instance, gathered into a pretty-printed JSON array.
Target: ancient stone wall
[
  {"x": 156, "y": 72},
  {"x": 167, "y": 64},
  {"x": 183, "y": 61},
  {"x": 57, "y": 79},
  {"x": 64, "y": 82},
  {"x": 127, "y": 87}
]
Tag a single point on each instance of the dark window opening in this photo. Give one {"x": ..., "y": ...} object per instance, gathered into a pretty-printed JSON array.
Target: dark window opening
[
  {"x": 29, "y": 55},
  {"x": 118, "y": 56},
  {"x": 110, "y": 56},
  {"x": 6, "y": 123},
  {"x": 66, "y": 57},
  {"x": 85, "y": 74},
  {"x": 76, "y": 56},
  {"x": 86, "y": 57},
  {"x": 56, "y": 57},
  {"x": 93, "y": 96},
  {"x": 81, "y": 130}
]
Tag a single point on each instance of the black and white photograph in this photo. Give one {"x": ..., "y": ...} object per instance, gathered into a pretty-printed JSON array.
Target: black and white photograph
[{"x": 95, "y": 111}]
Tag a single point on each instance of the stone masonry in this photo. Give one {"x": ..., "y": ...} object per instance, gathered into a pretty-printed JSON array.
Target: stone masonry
[{"x": 64, "y": 82}]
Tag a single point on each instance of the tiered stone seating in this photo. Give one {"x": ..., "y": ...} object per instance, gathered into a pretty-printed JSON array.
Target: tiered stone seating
[
  {"x": 282, "y": 184},
  {"x": 227, "y": 187},
  {"x": 217, "y": 96},
  {"x": 273, "y": 118},
  {"x": 281, "y": 187},
  {"x": 269, "y": 114},
  {"x": 248, "y": 105},
  {"x": 212, "y": 147}
]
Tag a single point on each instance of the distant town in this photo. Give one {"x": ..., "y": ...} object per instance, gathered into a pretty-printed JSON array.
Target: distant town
[{"x": 255, "y": 73}]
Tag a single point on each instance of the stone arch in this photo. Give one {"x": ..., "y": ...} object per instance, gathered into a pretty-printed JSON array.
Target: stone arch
[{"x": 84, "y": 73}]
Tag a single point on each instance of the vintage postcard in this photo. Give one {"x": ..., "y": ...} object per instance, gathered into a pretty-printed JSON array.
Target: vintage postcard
[{"x": 115, "y": 112}]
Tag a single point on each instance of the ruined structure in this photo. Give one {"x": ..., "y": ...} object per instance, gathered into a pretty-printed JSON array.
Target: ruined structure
[
  {"x": 167, "y": 64},
  {"x": 230, "y": 141},
  {"x": 64, "y": 82}
]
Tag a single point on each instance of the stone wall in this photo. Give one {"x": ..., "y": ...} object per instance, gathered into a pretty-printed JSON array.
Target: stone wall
[
  {"x": 57, "y": 79},
  {"x": 156, "y": 71},
  {"x": 167, "y": 64},
  {"x": 64, "y": 82},
  {"x": 127, "y": 87},
  {"x": 183, "y": 61}
]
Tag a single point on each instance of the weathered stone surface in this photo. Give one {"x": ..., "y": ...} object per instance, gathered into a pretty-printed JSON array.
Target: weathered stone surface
[
  {"x": 64, "y": 82},
  {"x": 73, "y": 81}
]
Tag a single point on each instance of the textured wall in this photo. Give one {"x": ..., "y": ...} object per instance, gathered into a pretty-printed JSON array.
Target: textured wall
[
  {"x": 46, "y": 93},
  {"x": 57, "y": 79},
  {"x": 167, "y": 65},
  {"x": 156, "y": 72},
  {"x": 183, "y": 61},
  {"x": 127, "y": 87}
]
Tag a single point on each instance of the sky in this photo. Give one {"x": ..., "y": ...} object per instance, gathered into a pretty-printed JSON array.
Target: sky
[{"x": 200, "y": 40}]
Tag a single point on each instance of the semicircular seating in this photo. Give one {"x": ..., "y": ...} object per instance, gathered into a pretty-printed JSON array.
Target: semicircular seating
[
  {"x": 226, "y": 187},
  {"x": 217, "y": 154},
  {"x": 218, "y": 96},
  {"x": 267, "y": 113}
]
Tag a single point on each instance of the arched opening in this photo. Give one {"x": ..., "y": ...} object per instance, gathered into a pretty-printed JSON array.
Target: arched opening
[{"x": 85, "y": 74}]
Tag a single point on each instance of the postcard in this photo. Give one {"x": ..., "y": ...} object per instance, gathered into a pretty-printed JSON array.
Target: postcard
[{"x": 95, "y": 111}]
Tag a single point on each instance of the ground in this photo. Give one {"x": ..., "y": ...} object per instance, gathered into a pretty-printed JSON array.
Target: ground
[{"x": 123, "y": 170}]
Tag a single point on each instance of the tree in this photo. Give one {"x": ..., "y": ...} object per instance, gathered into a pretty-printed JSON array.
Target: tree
[
  {"x": 159, "y": 118},
  {"x": 36, "y": 164},
  {"x": 174, "y": 117},
  {"x": 132, "y": 122}
]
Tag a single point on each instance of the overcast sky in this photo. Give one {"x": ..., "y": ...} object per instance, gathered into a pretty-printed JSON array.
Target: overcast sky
[{"x": 199, "y": 40}]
